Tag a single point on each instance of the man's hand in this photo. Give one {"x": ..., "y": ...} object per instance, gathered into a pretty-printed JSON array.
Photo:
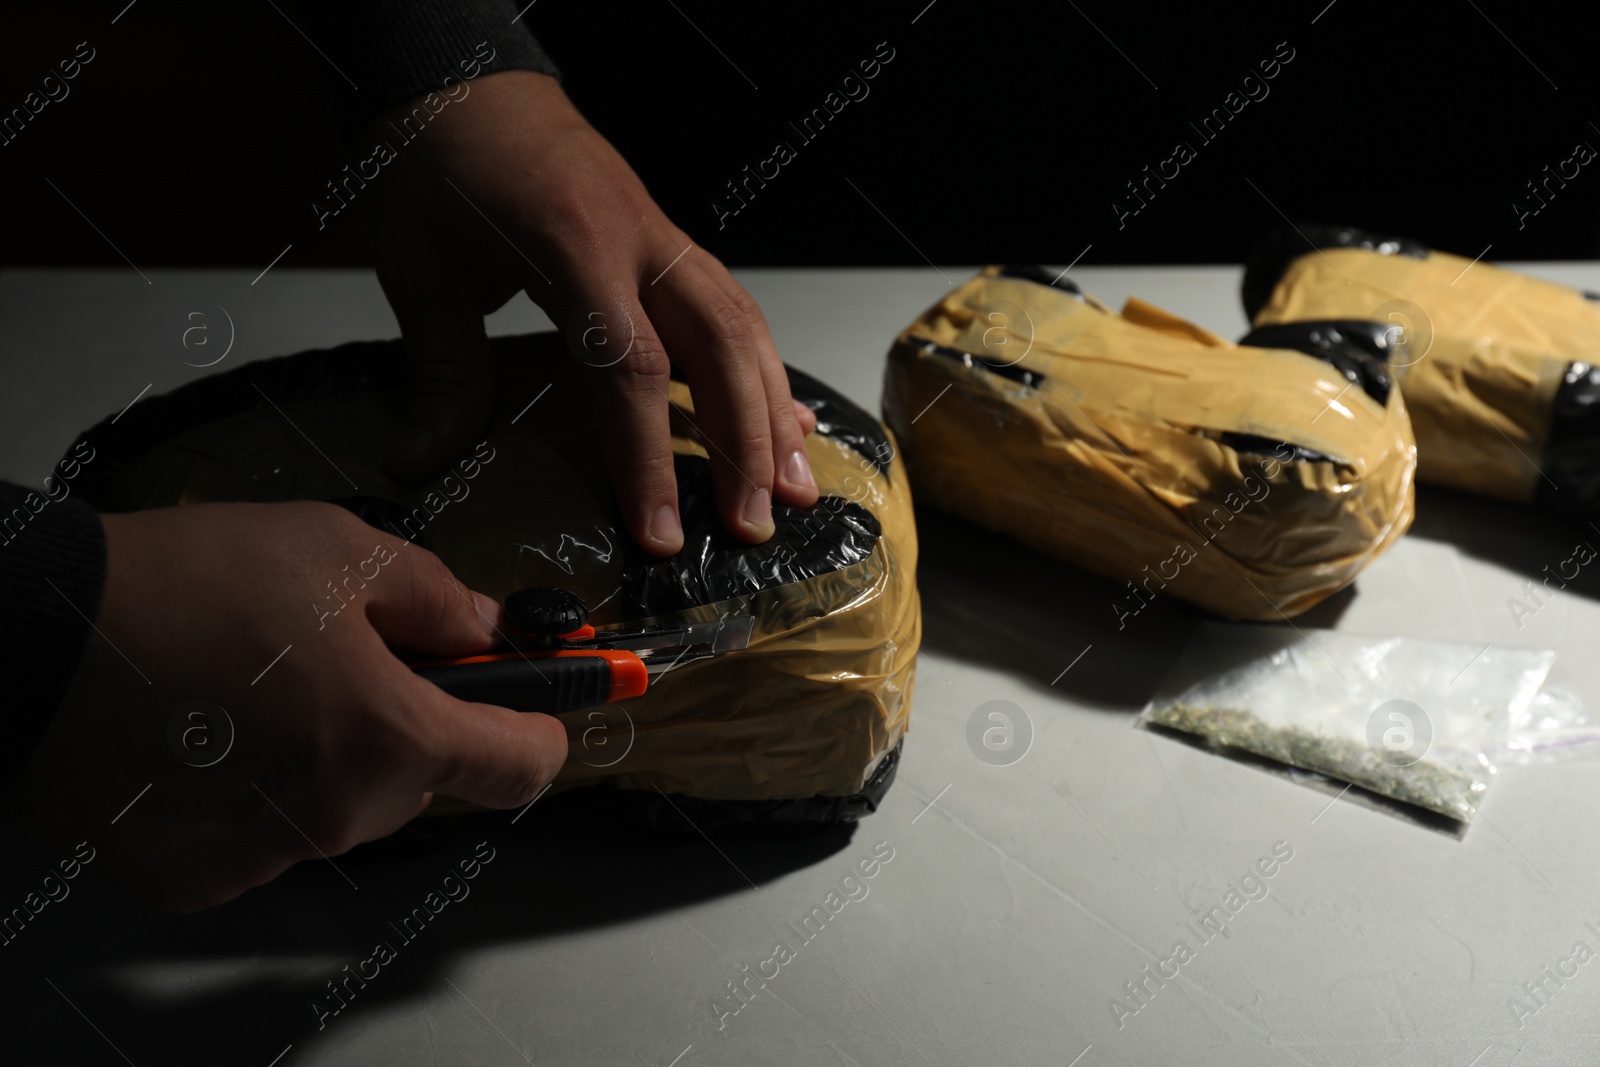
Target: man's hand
[
  {"x": 336, "y": 742},
  {"x": 509, "y": 188}
]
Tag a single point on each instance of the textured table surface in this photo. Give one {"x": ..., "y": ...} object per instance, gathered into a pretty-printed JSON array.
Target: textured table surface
[{"x": 1018, "y": 899}]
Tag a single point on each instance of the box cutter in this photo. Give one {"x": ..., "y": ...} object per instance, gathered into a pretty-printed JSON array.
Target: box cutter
[{"x": 558, "y": 662}]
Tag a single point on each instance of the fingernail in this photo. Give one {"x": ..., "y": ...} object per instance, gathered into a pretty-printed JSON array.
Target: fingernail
[
  {"x": 488, "y": 613},
  {"x": 758, "y": 510},
  {"x": 664, "y": 526},
  {"x": 798, "y": 472}
]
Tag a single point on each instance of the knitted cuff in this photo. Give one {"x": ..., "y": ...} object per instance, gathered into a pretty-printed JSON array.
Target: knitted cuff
[
  {"x": 53, "y": 571},
  {"x": 382, "y": 53}
]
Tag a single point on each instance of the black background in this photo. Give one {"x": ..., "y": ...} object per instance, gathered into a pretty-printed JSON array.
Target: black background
[{"x": 999, "y": 132}]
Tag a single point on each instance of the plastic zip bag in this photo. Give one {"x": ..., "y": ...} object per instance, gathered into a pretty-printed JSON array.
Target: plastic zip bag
[
  {"x": 1411, "y": 719},
  {"x": 1555, "y": 726}
]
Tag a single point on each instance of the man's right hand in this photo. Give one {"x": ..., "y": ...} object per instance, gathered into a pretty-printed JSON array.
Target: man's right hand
[{"x": 335, "y": 743}]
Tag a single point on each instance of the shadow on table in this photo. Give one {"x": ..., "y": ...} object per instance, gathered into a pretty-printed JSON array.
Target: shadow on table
[
  {"x": 97, "y": 969},
  {"x": 990, "y": 601},
  {"x": 568, "y": 864},
  {"x": 1517, "y": 537}
]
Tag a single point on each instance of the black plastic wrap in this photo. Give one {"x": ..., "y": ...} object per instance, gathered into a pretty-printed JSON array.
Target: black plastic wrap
[
  {"x": 1021, "y": 375},
  {"x": 1572, "y": 456},
  {"x": 1504, "y": 392},
  {"x": 1115, "y": 439},
  {"x": 1359, "y": 349},
  {"x": 829, "y": 536},
  {"x": 688, "y": 815},
  {"x": 842, "y": 420},
  {"x": 833, "y": 535},
  {"x": 1033, "y": 272},
  {"x": 364, "y": 366},
  {"x": 1249, "y": 444}
]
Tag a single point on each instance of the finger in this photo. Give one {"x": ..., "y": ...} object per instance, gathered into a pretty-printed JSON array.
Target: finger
[
  {"x": 629, "y": 377},
  {"x": 793, "y": 482},
  {"x": 482, "y": 753},
  {"x": 806, "y": 417},
  {"x": 450, "y": 370},
  {"x": 712, "y": 334},
  {"x": 416, "y": 602}
]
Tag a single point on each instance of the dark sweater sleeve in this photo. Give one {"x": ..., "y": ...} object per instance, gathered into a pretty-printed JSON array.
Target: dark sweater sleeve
[
  {"x": 381, "y": 52},
  {"x": 52, "y": 572}
]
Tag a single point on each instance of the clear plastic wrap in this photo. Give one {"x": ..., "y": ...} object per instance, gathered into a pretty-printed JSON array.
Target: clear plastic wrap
[
  {"x": 1554, "y": 726},
  {"x": 1497, "y": 367},
  {"x": 1253, "y": 481},
  {"x": 802, "y": 728},
  {"x": 1415, "y": 720}
]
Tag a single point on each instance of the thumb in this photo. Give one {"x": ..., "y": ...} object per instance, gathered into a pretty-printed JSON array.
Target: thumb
[
  {"x": 486, "y": 754},
  {"x": 479, "y": 752},
  {"x": 450, "y": 371}
]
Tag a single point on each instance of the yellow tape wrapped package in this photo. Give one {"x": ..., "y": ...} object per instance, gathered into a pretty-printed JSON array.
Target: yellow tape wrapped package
[
  {"x": 1118, "y": 443},
  {"x": 1482, "y": 355},
  {"x": 821, "y": 696}
]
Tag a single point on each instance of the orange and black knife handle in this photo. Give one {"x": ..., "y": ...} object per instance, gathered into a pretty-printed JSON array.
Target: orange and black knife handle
[{"x": 550, "y": 681}]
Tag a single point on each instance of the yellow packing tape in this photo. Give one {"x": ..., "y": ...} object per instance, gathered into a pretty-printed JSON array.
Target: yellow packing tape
[{"x": 1118, "y": 459}]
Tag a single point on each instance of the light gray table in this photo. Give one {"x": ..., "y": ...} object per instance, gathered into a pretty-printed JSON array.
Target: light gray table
[{"x": 1019, "y": 899}]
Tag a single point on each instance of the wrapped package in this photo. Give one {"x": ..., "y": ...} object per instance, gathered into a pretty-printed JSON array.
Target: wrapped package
[
  {"x": 801, "y": 728},
  {"x": 1253, "y": 482},
  {"x": 1498, "y": 368}
]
